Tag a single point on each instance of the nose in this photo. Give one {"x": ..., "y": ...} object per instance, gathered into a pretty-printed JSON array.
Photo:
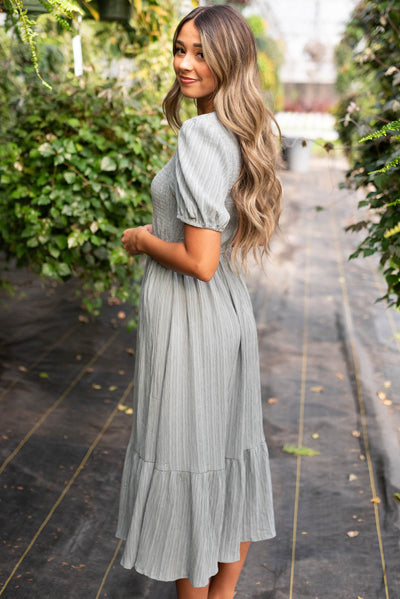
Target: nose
[{"x": 186, "y": 62}]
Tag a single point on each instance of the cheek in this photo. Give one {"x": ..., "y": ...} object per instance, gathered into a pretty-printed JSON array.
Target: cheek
[
  {"x": 206, "y": 72},
  {"x": 209, "y": 77},
  {"x": 176, "y": 63}
]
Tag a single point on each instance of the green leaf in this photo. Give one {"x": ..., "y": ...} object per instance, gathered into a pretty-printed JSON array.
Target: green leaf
[
  {"x": 73, "y": 122},
  {"x": 302, "y": 451},
  {"x": 61, "y": 241},
  {"x": 32, "y": 242},
  {"x": 48, "y": 270},
  {"x": 43, "y": 200},
  {"x": 54, "y": 251},
  {"x": 70, "y": 177},
  {"x": 73, "y": 239},
  {"x": 391, "y": 164},
  {"x": 46, "y": 149},
  {"x": 393, "y": 231},
  {"x": 69, "y": 146},
  {"x": 123, "y": 163},
  {"x": 394, "y": 203},
  {"x": 108, "y": 164},
  {"x": 392, "y": 126},
  {"x": 63, "y": 269}
]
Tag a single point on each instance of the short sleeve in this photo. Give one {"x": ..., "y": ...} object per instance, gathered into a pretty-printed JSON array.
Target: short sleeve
[{"x": 202, "y": 175}]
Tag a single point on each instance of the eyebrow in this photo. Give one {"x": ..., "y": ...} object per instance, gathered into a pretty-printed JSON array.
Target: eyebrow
[{"x": 182, "y": 44}]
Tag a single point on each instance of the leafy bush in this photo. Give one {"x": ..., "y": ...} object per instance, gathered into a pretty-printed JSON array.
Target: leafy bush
[
  {"x": 77, "y": 162},
  {"x": 76, "y": 172},
  {"x": 369, "y": 80}
]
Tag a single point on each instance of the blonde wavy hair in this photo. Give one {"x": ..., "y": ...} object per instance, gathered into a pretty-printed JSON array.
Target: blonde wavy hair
[{"x": 230, "y": 52}]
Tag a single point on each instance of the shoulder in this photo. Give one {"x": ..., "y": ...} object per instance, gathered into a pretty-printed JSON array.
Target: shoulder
[
  {"x": 205, "y": 137},
  {"x": 207, "y": 129}
]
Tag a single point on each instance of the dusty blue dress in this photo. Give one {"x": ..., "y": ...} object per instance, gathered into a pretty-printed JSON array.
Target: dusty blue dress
[{"x": 196, "y": 479}]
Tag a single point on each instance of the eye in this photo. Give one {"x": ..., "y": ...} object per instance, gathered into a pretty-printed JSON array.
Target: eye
[
  {"x": 201, "y": 55},
  {"x": 179, "y": 50}
]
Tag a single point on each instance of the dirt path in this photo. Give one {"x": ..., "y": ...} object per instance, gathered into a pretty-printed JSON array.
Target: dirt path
[{"x": 326, "y": 352}]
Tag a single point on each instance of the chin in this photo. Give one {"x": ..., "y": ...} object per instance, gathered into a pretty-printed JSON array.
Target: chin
[{"x": 188, "y": 94}]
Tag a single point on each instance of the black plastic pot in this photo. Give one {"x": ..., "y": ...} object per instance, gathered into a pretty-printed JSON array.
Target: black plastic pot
[
  {"x": 115, "y": 10},
  {"x": 34, "y": 7}
]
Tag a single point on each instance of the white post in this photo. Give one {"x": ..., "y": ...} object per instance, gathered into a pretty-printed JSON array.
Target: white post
[{"x": 77, "y": 50}]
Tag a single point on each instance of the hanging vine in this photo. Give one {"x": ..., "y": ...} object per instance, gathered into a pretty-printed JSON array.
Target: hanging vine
[{"x": 25, "y": 26}]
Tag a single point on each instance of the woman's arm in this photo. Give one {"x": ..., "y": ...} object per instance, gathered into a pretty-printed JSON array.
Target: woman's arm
[{"x": 197, "y": 256}]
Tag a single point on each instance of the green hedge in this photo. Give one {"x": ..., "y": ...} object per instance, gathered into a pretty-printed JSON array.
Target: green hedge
[
  {"x": 76, "y": 171},
  {"x": 76, "y": 163},
  {"x": 369, "y": 81}
]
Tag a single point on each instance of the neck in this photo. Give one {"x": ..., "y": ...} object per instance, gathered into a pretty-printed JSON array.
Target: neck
[{"x": 205, "y": 105}]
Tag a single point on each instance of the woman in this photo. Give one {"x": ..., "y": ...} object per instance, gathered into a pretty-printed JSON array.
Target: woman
[{"x": 196, "y": 485}]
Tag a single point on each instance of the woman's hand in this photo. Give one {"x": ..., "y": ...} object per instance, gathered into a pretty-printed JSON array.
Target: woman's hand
[
  {"x": 197, "y": 256},
  {"x": 131, "y": 239}
]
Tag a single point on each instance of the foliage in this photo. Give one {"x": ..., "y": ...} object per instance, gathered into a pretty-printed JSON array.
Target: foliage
[
  {"x": 270, "y": 59},
  {"x": 299, "y": 451},
  {"x": 77, "y": 162},
  {"x": 149, "y": 21},
  {"x": 369, "y": 80},
  {"x": 75, "y": 173},
  {"x": 61, "y": 9}
]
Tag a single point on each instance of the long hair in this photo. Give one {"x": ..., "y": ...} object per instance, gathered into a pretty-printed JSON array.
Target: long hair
[{"x": 230, "y": 52}]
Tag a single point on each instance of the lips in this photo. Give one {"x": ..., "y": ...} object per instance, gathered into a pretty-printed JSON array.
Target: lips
[{"x": 187, "y": 80}]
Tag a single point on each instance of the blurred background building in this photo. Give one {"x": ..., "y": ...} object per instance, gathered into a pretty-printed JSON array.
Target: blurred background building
[{"x": 309, "y": 31}]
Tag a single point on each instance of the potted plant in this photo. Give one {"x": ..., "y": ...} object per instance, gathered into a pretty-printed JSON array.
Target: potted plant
[
  {"x": 115, "y": 10},
  {"x": 34, "y": 7}
]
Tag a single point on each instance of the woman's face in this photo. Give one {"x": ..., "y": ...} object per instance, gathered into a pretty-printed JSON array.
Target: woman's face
[{"x": 192, "y": 72}]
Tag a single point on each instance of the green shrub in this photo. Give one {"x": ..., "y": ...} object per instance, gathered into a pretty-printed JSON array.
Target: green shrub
[
  {"x": 76, "y": 171},
  {"x": 369, "y": 78},
  {"x": 76, "y": 163}
]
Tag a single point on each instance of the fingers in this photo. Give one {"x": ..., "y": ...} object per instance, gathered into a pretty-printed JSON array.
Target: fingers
[
  {"x": 126, "y": 240},
  {"x": 129, "y": 240}
]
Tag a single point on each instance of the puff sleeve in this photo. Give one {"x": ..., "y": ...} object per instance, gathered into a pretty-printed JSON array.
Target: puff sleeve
[{"x": 202, "y": 175}]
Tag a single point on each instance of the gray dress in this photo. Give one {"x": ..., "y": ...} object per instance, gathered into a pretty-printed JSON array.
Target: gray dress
[{"x": 196, "y": 478}]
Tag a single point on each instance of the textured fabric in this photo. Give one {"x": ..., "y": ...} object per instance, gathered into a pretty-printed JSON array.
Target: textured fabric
[{"x": 196, "y": 478}]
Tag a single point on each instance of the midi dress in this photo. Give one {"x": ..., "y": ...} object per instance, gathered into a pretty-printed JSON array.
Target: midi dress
[{"x": 196, "y": 478}]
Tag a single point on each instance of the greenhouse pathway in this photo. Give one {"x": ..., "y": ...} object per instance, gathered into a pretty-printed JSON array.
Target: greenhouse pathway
[{"x": 330, "y": 375}]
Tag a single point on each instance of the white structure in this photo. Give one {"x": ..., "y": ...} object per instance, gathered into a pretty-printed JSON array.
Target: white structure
[
  {"x": 310, "y": 29},
  {"x": 309, "y": 125}
]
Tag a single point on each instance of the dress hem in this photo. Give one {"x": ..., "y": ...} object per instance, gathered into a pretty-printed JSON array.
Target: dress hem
[
  {"x": 161, "y": 578},
  {"x": 182, "y": 524}
]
